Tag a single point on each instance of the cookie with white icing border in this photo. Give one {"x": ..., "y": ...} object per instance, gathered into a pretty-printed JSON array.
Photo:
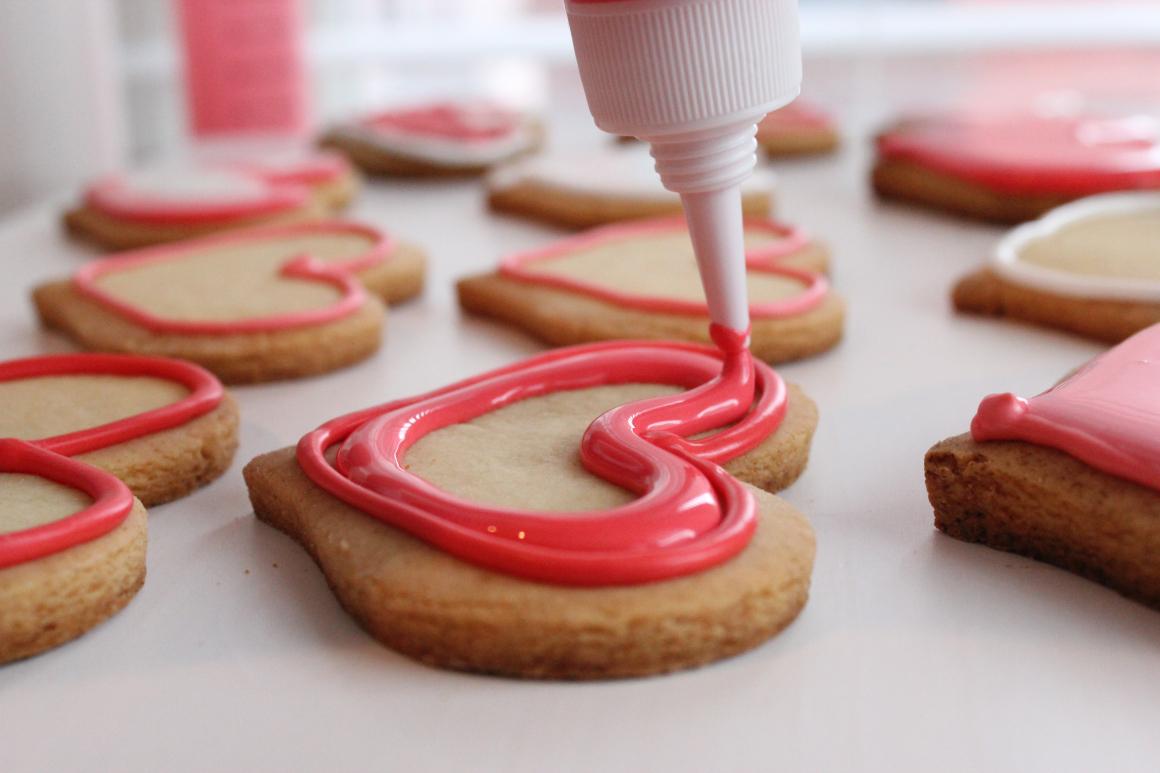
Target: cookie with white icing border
[
  {"x": 601, "y": 185},
  {"x": 456, "y": 536},
  {"x": 164, "y": 427},
  {"x": 148, "y": 207},
  {"x": 1070, "y": 477},
  {"x": 72, "y": 548},
  {"x": 640, "y": 280},
  {"x": 1090, "y": 267},
  {"x": 252, "y": 305},
  {"x": 436, "y": 140},
  {"x": 1014, "y": 167}
]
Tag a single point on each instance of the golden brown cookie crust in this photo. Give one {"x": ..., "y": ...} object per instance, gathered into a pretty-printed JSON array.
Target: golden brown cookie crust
[
  {"x": 49, "y": 601},
  {"x": 400, "y": 277},
  {"x": 577, "y": 209},
  {"x": 985, "y": 292},
  {"x": 799, "y": 142},
  {"x": 451, "y": 614},
  {"x": 236, "y": 358},
  {"x": 916, "y": 184},
  {"x": 167, "y": 465},
  {"x": 113, "y": 233},
  {"x": 560, "y": 317},
  {"x": 1045, "y": 504}
]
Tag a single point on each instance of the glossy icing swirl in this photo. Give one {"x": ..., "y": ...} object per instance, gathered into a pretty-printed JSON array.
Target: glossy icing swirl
[{"x": 689, "y": 515}]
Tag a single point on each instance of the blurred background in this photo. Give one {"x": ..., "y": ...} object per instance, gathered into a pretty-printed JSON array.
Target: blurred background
[{"x": 92, "y": 85}]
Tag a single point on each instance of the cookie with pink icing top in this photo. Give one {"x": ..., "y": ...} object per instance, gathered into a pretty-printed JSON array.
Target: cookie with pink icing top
[
  {"x": 72, "y": 548},
  {"x": 443, "y": 139},
  {"x": 143, "y": 208},
  {"x": 1090, "y": 267},
  {"x": 251, "y": 305},
  {"x": 1014, "y": 167},
  {"x": 1070, "y": 476},
  {"x": 640, "y": 280},
  {"x": 798, "y": 129}
]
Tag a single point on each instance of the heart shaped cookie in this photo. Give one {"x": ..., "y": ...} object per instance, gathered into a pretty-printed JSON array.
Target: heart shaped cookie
[
  {"x": 598, "y": 186},
  {"x": 613, "y": 540},
  {"x": 1090, "y": 267},
  {"x": 72, "y": 548},
  {"x": 436, "y": 140},
  {"x": 137, "y": 209},
  {"x": 640, "y": 280},
  {"x": 252, "y": 305},
  {"x": 164, "y": 427},
  {"x": 1015, "y": 167}
]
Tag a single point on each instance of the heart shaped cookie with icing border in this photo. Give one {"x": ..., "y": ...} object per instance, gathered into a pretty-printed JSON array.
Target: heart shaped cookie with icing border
[
  {"x": 436, "y": 140},
  {"x": 164, "y": 427},
  {"x": 72, "y": 548},
  {"x": 599, "y": 186},
  {"x": 1091, "y": 267},
  {"x": 139, "y": 209},
  {"x": 252, "y": 305},
  {"x": 640, "y": 280},
  {"x": 616, "y": 539}
]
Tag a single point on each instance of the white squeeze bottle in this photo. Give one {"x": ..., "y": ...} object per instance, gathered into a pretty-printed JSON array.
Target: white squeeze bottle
[{"x": 692, "y": 78}]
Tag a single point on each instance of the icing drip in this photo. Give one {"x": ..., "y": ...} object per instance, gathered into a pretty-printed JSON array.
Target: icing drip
[
  {"x": 1107, "y": 414},
  {"x": 689, "y": 515}
]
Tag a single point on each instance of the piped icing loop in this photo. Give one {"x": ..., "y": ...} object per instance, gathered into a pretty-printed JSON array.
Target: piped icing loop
[
  {"x": 339, "y": 274},
  {"x": 763, "y": 259},
  {"x": 689, "y": 513},
  {"x": 1072, "y": 155},
  {"x": 195, "y": 195},
  {"x": 1107, "y": 414},
  {"x": 111, "y": 503},
  {"x": 205, "y": 394}
]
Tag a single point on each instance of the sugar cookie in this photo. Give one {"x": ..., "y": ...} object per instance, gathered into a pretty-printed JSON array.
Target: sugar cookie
[
  {"x": 1090, "y": 267},
  {"x": 639, "y": 280},
  {"x": 601, "y": 185},
  {"x": 253, "y": 305},
  {"x": 798, "y": 129},
  {"x": 1070, "y": 477},
  {"x": 443, "y": 139},
  {"x": 171, "y": 204},
  {"x": 72, "y": 548},
  {"x": 1011, "y": 168},
  {"x": 164, "y": 427},
  {"x": 459, "y": 537}
]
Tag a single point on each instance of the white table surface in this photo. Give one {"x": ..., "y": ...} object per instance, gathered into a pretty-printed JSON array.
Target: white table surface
[{"x": 914, "y": 652}]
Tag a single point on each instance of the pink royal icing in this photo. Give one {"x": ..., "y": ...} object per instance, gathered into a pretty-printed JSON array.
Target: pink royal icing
[
  {"x": 1107, "y": 414},
  {"x": 1066, "y": 155}
]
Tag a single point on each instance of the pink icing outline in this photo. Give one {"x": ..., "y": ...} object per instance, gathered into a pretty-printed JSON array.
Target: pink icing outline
[
  {"x": 763, "y": 259},
  {"x": 1099, "y": 415},
  {"x": 107, "y": 195},
  {"x": 320, "y": 167},
  {"x": 341, "y": 275},
  {"x": 449, "y": 131}
]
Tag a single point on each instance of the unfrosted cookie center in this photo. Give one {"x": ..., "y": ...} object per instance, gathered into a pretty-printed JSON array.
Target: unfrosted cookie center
[
  {"x": 1125, "y": 246},
  {"x": 234, "y": 281},
  {"x": 526, "y": 455},
  {"x": 55, "y": 405},
  {"x": 27, "y": 501},
  {"x": 660, "y": 265}
]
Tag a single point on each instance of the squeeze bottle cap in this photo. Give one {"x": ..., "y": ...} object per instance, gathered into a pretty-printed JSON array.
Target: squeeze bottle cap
[{"x": 693, "y": 78}]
